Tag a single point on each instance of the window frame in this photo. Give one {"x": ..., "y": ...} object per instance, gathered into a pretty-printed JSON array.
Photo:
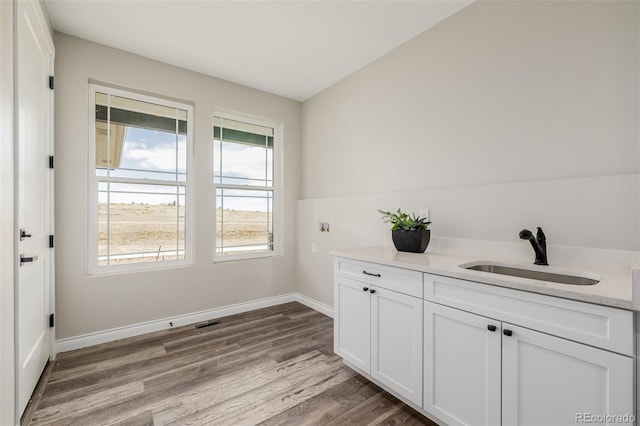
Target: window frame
[
  {"x": 277, "y": 186},
  {"x": 94, "y": 180}
]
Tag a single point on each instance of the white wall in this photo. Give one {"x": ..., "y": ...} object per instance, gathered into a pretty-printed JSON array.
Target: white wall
[
  {"x": 504, "y": 116},
  {"x": 86, "y": 304},
  {"x": 7, "y": 257}
]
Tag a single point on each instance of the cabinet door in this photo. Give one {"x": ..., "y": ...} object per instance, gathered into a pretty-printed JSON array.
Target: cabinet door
[
  {"x": 547, "y": 380},
  {"x": 352, "y": 322},
  {"x": 396, "y": 342},
  {"x": 462, "y": 360}
]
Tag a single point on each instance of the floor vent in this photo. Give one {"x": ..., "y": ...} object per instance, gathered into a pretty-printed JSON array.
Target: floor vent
[{"x": 207, "y": 324}]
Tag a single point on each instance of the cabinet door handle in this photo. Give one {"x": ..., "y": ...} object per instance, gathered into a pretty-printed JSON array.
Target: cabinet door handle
[
  {"x": 371, "y": 275},
  {"x": 507, "y": 332},
  {"x": 372, "y": 291},
  {"x": 491, "y": 327},
  {"x": 365, "y": 288}
]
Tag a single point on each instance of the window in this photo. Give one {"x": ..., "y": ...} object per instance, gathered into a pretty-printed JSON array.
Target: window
[
  {"x": 243, "y": 176},
  {"x": 140, "y": 186}
]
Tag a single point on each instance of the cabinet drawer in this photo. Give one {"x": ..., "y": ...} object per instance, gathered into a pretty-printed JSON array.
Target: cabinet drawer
[
  {"x": 599, "y": 326},
  {"x": 396, "y": 279}
]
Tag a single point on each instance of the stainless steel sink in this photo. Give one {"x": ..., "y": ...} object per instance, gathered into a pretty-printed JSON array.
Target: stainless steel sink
[{"x": 534, "y": 274}]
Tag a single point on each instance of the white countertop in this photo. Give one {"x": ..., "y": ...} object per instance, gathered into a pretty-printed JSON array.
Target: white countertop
[{"x": 614, "y": 289}]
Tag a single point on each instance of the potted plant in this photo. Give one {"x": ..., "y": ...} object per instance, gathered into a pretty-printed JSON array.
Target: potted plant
[{"x": 409, "y": 232}]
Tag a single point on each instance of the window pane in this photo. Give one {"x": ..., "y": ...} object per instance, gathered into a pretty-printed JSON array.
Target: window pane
[
  {"x": 143, "y": 226},
  {"x": 243, "y": 221},
  {"x": 243, "y": 157},
  {"x": 136, "y": 139},
  {"x": 141, "y": 157},
  {"x": 243, "y": 164},
  {"x": 243, "y": 153}
]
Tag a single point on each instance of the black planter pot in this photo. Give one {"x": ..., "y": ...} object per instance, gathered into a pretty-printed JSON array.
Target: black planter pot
[{"x": 411, "y": 241}]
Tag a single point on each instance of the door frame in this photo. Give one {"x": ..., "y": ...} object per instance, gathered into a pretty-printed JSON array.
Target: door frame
[{"x": 8, "y": 405}]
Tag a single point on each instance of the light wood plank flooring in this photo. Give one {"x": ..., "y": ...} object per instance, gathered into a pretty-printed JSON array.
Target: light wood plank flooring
[{"x": 272, "y": 366}]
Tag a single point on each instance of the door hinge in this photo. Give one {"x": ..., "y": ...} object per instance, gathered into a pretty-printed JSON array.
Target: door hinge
[
  {"x": 52, "y": 321},
  {"x": 51, "y": 241},
  {"x": 51, "y": 82},
  {"x": 51, "y": 162}
]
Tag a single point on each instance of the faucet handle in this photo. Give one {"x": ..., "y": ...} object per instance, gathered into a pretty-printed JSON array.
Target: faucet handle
[{"x": 525, "y": 234}]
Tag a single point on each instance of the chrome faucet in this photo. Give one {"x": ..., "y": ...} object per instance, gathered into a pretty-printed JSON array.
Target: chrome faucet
[{"x": 539, "y": 244}]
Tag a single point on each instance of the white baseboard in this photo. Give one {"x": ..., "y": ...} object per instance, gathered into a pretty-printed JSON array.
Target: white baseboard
[
  {"x": 314, "y": 304},
  {"x": 91, "y": 339}
]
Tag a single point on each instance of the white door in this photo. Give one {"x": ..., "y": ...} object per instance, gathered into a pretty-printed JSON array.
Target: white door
[
  {"x": 352, "y": 322},
  {"x": 462, "y": 357},
  {"x": 33, "y": 198},
  {"x": 547, "y": 380},
  {"x": 396, "y": 342}
]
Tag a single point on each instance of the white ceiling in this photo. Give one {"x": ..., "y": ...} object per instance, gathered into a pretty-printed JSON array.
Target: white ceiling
[{"x": 293, "y": 48}]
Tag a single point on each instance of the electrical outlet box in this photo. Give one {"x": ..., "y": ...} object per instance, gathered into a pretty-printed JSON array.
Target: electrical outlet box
[
  {"x": 424, "y": 213},
  {"x": 324, "y": 227}
]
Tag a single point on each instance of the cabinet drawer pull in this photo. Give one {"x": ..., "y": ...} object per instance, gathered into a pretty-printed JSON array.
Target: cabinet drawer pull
[
  {"x": 507, "y": 332},
  {"x": 365, "y": 288},
  {"x": 372, "y": 291},
  {"x": 491, "y": 327},
  {"x": 371, "y": 275}
]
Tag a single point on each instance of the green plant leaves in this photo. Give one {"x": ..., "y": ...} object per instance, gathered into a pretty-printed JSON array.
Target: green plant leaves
[{"x": 402, "y": 221}]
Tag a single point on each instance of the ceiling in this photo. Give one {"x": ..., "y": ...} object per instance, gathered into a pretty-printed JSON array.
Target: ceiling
[{"x": 293, "y": 48}]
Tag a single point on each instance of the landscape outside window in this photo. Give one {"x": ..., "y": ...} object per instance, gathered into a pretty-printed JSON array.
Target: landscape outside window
[
  {"x": 141, "y": 180},
  {"x": 244, "y": 186}
]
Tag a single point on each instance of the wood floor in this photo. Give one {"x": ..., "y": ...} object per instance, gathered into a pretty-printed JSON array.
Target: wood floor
[{"x": 273, "y": 366}]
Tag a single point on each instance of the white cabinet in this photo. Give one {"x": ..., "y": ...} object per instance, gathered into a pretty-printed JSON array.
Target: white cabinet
[
  {"x": 481, "y": 370},
  {"x": 476, "y": 354},
  {"x": 396, "y": 342},
  {"x": 462, "y": 362},
  {"x": 379, "y": 330},
  {"x": 595, "y": 325},
  {"x": 547, "y": 380},
  {"x": 352, "y": 322}
]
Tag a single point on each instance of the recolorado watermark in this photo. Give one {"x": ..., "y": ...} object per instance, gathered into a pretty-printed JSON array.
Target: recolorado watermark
[{"x": 604, "y": 418}]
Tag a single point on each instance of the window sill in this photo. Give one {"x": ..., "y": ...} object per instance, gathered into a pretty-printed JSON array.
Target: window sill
[
  {"x": 235, "y": 257},
  {"x": 103, "y": 271}
]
